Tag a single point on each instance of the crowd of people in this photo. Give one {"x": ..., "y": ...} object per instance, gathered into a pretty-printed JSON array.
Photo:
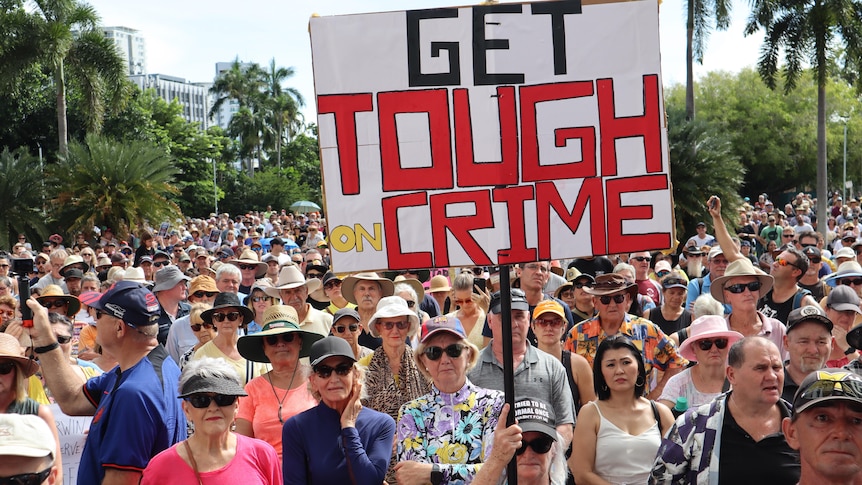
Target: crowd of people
[{"x": 227, "y": 350}]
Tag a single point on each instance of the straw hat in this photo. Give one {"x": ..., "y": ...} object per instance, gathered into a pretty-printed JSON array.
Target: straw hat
[
  {"x": 413, "y": 283},
  {"x": 707, "y": 326},
  {"x": 439, "y": 283},
  {"x": 393, "y": 306},
  {"x": 74, "y": 259},
  {"x": 290, "y": 277},
  {"x": 54, "y": 292},
  {"x": 249, "y": 257},
  {"x": 386, "y": 285},
  {"x": 740, "y": 267},
  {"x": 10, "y": 349},
  {"x": 277, "y": 320}
]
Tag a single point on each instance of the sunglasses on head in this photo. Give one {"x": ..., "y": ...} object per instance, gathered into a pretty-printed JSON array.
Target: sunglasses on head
[
  {"x": 539, "y": 445},
  {"x": 352, "y": 327},
  {"x": 402, "y": 325},
  {"x": 54, "y": 304},
  {"x": 434, "y": 353},
  {"x": 26, "y": 478},
  {"x": 324, "y": 371},
  {"x": 201, "y": 294},
  {"x": 201, "y": 401},
  {"x": 6, "y": 368},
  {"x": 285, "y": 337},
  {"x": 829, "y": 385},
  {"x": 706, "y": 344},
  {"x": 232, "y": 316},
  {"x": 197, "y": 326},
  {"x": 740, "y": 287},
  {"x": 606, "y": 299}
]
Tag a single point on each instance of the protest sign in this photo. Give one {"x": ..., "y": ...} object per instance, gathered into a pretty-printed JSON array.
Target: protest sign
[
  {"x": 73, "y": 434},
  {"x": 492, "y": 134}
]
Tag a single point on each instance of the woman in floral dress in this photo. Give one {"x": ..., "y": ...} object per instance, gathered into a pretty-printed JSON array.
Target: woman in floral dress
[{"x": 444, "y": 436}]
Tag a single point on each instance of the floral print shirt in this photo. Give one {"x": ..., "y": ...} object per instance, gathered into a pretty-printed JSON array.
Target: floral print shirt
[{"x": 453, "y": 430}]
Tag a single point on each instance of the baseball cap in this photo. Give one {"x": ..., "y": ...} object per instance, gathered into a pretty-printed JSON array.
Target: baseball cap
[
  {"x": 536, "y": 415},
  {"x": 225, "y": 385},
  {"x": 118, "y": 258},
  {"x": 843, "y": 298},
  {"x": 701, "y": 223},
  {"x": 519, "y": 301},
  {"x": 827, "y": 385},
  {"x": 330, "y": 347},
  {"x": 72, "y": 273},
  {"x": 809, "y": 313},
  {"x": 25, "y": 435},
  {"x": 442, "y": 324},
  {"x": 549, "y": 306},
  {"x": 146, "y": 259},
  {"x": 345, "y": 312},
  {"x": 715, "y": 251},
  {"x": 131, "y": 303},
  {"x": 673, "y": 282},
  {"x": 813, "y": 253}
]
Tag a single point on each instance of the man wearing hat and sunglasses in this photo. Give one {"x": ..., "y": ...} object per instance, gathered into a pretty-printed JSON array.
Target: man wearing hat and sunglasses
[
  {"x": 293, "y": 289},
  {"x": 136, "y": 411}
]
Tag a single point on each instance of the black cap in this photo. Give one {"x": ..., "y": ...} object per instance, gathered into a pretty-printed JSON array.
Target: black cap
[
  {"x": 808, "y": 313},
  {"x": 519, "y": 301},
  {"x": 330, "y": 347}
]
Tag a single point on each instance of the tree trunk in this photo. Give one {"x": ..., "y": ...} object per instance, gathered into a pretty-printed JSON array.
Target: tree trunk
[
  {"x": 822, "y": 198},
  {"x": 689, "y": 62},
  {"x": 62, "y": 128}
]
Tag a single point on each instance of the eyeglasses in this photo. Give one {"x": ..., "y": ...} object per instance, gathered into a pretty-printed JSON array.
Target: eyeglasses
[
  {"x": 285, "y": 337},
  {"x": 258, "y": 299},
  {"x": 6, "y": 368},
  {"x": 549, "y": 322},
  {"x": 26, "y": 478},
  {"x": 642, "y": 258},
  {"x": 159, "y": 264},
  {"x": 850, "y": 281},
  {"x": 314, "y": 275},
  {"x": 197, "y": 326},
  {"x": 740, "y": 287},
  {"x": 410, "y": 303},
  {"x": 201, "y": 294},
  {"x": 784, "y": 262},
  {"x": 537, "y": 267},
  {"x": 606, "y": 299},
  {"x": 434, "y": 353},
  {"x": 232, "y": 316},
  {"x": 539, "y": 445},
  {"x": 248, "y": 267},
  {"x": 64, "y": 339},
  {"x": 332, "y": 284},
  {"x": 706, "y": 344},
  {"x": 54, "y": 304},
  {"x": 201, "y": 401},
  {"x": 402, "y": 325},
  {"x": 324, "y": 371},
  {"x": 352, "y": 327}
]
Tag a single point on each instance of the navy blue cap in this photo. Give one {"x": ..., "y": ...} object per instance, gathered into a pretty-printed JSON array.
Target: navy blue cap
[{"x": 131, "y": 303}]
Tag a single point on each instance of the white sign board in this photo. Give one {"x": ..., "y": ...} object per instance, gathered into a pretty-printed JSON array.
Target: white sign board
[
  {"x": 73, "y": 433},
  {"x": 492, "y": 134}
]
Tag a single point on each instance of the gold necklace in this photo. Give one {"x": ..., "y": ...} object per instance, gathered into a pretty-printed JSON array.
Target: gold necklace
[{"x": 280, "y": 401}]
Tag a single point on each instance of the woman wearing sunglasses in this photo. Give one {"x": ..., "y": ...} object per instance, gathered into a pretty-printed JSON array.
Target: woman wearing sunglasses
[
  {"x": 258, "y": 301},
  {"x": 203, "y": 332},
  {"x": 707, "y": 345},
  {"x": 227, "y": 316},
  {"x": 339, "y": 440},
  {"x": 210, "y": 389},
  {"x": 456, "y": 416},
  {"x": 618, "y": 435},
  {"x": 281, "y": 393}
]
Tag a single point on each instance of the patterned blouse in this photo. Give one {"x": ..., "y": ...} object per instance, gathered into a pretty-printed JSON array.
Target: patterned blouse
[{"x": 455, "y": 431}]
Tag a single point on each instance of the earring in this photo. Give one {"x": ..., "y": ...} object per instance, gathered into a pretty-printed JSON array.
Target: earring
[
  {"x": 640, "y": 382},
  {"x": 604, "y": 387}
]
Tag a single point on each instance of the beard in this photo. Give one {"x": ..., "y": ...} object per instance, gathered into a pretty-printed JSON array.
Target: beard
[{"x": 694, "y": 268}]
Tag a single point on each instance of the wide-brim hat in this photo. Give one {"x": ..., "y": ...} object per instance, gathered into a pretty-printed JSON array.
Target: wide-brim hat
[
  {"x": 707, "y": 326},
  {"x": 134, "y": 274},
  {"x": 393, "y": 306},
  {"x": 413, "y": 283},
  {"x": 737, "y": 268},
  {"x": 198, "y": 384},
  {"x": 608, "y": 284},
  {"x": 228, "y": 300},
  {"x": 202, "y": 283},
  {"x": 847, "y": 269},
  {"x": 844, "y": 252},
  {"x": 249, "y": 257},
  {"x": 439, "y": 283},
  {"x": 11, "y": 349},
  {"x": 74, "y": 259},
  {"x": 290, "y": 277},
  {"x": 54, "y": 292},
  {"x": 387, "y": 287},
  {"x": 277, "y": 319}
]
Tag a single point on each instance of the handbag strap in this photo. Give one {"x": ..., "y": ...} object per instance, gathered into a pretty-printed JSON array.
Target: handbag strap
[{"x": 194, "y": 463}]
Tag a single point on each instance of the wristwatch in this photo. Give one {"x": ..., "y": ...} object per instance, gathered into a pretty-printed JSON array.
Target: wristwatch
[{"x": 436, "y": 475}]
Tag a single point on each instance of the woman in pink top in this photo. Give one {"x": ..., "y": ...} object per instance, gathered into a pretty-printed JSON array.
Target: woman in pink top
[{"x": 282, "y": 392}]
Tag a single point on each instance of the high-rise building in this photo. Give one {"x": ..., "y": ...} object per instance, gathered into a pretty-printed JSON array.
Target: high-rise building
[
  {"x": 131, "y": 45},
  {"x": 194, "y": 97},
  {"x": 229, "y": 107}
]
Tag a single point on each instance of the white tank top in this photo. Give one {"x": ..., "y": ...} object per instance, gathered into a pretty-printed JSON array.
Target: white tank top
[{"x": 624, "y": 459}]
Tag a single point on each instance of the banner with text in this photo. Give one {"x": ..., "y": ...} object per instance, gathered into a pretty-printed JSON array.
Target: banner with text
[{"x": 492, "y": 134}]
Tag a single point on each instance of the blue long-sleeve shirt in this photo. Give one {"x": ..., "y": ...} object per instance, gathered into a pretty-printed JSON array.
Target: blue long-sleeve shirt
[{"x": 317, "y": 450}]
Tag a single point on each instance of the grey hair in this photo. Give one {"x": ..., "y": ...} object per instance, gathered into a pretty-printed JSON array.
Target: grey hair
[
  {"x": 90, "y": 277},
  {"x": 705, "y": 304},
  {"x": 6, "y": 281},
  {"x": 227, "y": 269},
  {"x": 399, "y": 287},
  {"x": 463, "y": 282},
  {"x": 558, "y": 469},
  {"x": 58, "y": 319},
  {"x": 620, "y": 267},
  {"x": 207, "y": 368}
]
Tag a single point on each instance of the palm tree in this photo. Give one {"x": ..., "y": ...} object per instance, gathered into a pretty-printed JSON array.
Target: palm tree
[
  {"x": 119, "y": 184},
  {"x": 700, "y": 16},
  {"x": 806, "y": 30},
  {"x": 21, "y": 196},
  {"x": 61, "y": 34},
  {"x": 282, "y": 105}
]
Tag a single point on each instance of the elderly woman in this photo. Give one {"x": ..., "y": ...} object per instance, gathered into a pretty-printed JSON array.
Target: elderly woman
[
  {"x": 258, "y": 301},
  {"x": 469, "y": 313},
  {"x": 671, "y": 316},
  {"x": 618, "y": 436},
  {"x": 8, "y": 311},
  {"x": 708, "y": 343},
  {"x": 339, "y": 440},
  {"x": 203, "y": 331},
  {"x": 456, "y": 416},
  {"x": 345, "y": 324},
  {"x": 63, "y": 331},
  {"x": 228, "y": 316},
  {"x": 213, "y": 454},
  {"x": 281, "y": 393}
]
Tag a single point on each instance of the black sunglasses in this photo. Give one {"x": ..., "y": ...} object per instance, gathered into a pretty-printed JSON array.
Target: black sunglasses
[
  {"x": 201, "y": 401},
  {"x": 314, "y": 275},
  {"x": 201, "y": 294},
  {"x": 434, "y": 353},
  {"x": 54, "y": 304},
  {"x": 539, "y": 445},
  {"x": 324, "y": 371},
  {"x": 159, "y": 264},
  {"x": 63, "y": 339},
  {"x": 26, "y": 478},
  {"x": 232, "y": 316},
  {"x": 247, "y": 267},
  {"x": 606, "y": 299},
  {"x": 706, "y": 344},
  {"x": 197, "y": 326},
  {"x": 6, "y": 368},
  {"x": 850, "y": 281},
  {"x": 285, "y": 337},
  {"x": 352, "y": 327},
  {"x": 740, "y": 287},
  {"x": 642, "y": 258},
  {"x": 580, "y": 285}
]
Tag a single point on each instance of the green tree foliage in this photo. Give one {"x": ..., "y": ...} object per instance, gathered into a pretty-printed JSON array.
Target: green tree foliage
[
  {"x": 21, "y": 197},
  {"x": 118, "y": 184}
]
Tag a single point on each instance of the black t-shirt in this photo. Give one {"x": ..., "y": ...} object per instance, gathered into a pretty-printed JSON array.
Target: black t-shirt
[
  {"x": 593, "y": 267},
  {"x": 745, "y": 461}
]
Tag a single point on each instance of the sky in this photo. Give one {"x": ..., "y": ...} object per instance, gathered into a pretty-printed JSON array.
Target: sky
[{"x": 186, "y": 38}]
